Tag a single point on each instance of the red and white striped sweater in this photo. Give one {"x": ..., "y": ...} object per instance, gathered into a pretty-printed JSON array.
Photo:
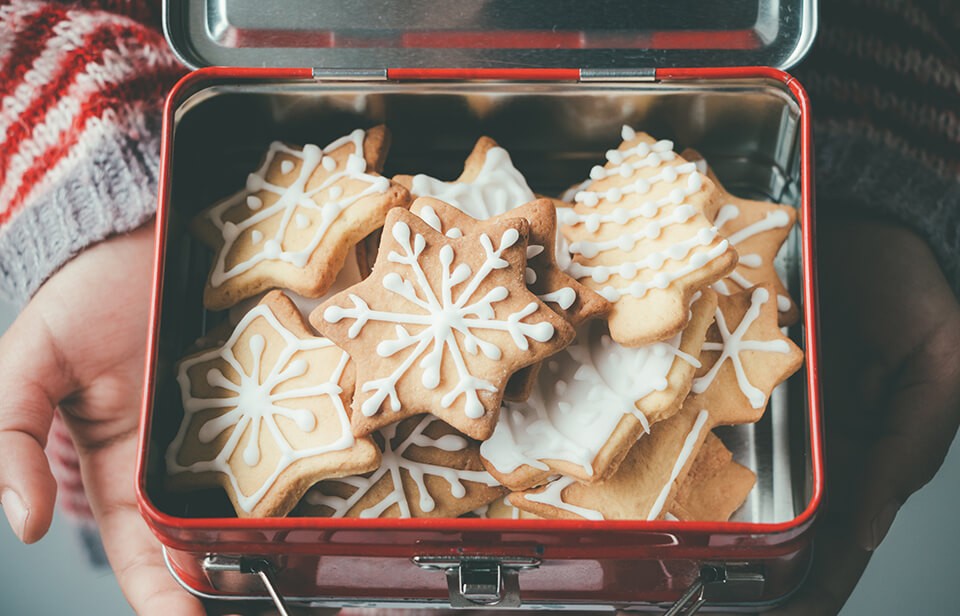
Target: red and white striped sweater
[{"x": 82, "y": 84}]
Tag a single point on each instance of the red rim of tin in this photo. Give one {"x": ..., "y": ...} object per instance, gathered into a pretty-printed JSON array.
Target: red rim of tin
[{"x": 158, "y": 520}]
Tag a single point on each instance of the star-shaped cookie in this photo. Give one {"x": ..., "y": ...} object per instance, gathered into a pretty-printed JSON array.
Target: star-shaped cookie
[
  {"x": 544, "y": 277},
  {"x": 757, "y": 230},
  {"x": 592, "y": 401},
  {"x": 441, "y": 324},
  {"x": 265, "y": 415},
  {"x": 296, "y": 219},
  {"x": 639, "y": 237},
  {"x": 428, "y": 470},
  {"x": 744, "y": 358},
  {"x": 715, "y": 487}
]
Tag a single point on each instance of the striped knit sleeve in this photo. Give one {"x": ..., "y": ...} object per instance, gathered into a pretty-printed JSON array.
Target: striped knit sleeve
[
  {"x": 80, "y": 99},
  {"x": 884, "y": 81}
]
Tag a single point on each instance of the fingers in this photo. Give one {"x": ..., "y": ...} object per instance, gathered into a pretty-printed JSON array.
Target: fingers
[
  {"x": 133, "y": 551},
  {"x": 922, "y": 416},
  {"x": 838, "y": 563},
  {"x": 32, "y": 381}
]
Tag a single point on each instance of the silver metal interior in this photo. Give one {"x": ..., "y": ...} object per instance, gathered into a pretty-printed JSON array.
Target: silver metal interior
[
  {"x": 378, "y": 34},
  {"x": 747, "y": 130}
]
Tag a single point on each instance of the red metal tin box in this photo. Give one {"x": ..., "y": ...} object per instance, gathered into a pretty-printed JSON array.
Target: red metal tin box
[{"x": 752, "y": 124}]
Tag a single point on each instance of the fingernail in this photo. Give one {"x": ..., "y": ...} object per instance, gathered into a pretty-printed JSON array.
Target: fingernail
[
  {"x": 16, "y": 512},
  {"x": 882, "y": 523}
]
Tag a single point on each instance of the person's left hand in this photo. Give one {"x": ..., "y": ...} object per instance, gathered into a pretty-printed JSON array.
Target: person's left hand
[{"x": 79, "y": 346}]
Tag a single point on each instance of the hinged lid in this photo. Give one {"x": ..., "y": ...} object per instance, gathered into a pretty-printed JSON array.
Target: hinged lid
[{"x": 586, "y": 34}]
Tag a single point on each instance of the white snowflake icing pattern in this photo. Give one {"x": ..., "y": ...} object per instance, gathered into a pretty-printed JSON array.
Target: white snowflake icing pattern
[
  {"x": 295, "y": 204},
  {"x": 733, "y": 344},
  {"x": 393, "y": 462},
  {"x": 442, "y": 315},
  {"x": 254, "y": 404}
]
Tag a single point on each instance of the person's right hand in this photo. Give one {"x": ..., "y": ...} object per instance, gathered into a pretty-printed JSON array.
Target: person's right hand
[
  {"x": 890, "y": 369},
  {"x": 79, "y": 346}
]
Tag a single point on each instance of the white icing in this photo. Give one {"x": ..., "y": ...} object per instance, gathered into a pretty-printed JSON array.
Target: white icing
[
  {"x": 775, "y": 219},
  {"x": 252, "y": 403},
  {"x": 397, "y": 464},
  {"x": 499, "y": 187},
  {"x": 685, "y": 452},
  {"x": 484, "y": 510},
  {"x": 578, "y": 401},
  {"x": 256, "y": 236},
  {"x": 442, "y": 319},
  {"x": 553, "y": 495},
  {"x": 733, "y": 344},
  {"x": 286, "y": 167},
  {"x": 654, "y": 266},
  {"x": 292, "y": 202}
]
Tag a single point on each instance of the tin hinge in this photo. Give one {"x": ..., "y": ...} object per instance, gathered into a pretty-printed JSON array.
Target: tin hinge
[
  {"x": 480, "y": 581},
  {"x": 721, "y": 583},
  {"x": 229, "y": 572},
  {"x": 618, "y": 74},
  {"x": 350, "y": 74}
]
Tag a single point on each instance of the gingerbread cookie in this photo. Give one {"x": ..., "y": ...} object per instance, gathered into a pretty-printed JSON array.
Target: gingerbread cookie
[
  {"x": 757, "y": 230},
  {"x": 264, "y": 414},
  {"x": 593, "y": 400},
  {"x": 715, "y": 487},
  {"x": 744, "y": 358},
  {"x": 502, "y": 509},
  {"x": 544, "y": 277},
  {"x": 297, "y": 218},
  {"x": 639, "y": 238},
  {"x": 441, "y": 324},
  {"x": 427, "y": 470}
]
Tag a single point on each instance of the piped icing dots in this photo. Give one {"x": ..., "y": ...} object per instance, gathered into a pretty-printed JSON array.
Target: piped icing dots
[
  {"x": 261, "y": 403},
  {"x": 307, "y": 196}
]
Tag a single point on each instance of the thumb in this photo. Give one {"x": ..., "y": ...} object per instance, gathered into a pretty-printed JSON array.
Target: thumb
[
  {"x": 33, "y": 379},
  {"x": 916, "y": 433}
]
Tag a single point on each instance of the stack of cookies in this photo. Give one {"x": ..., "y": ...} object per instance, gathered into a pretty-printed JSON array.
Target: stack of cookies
[{"x": 492, "y": 353}]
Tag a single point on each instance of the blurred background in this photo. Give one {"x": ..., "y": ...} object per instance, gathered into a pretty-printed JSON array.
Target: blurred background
[{"x": 914, "y": 571}]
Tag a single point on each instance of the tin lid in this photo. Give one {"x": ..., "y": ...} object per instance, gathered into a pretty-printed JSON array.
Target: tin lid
[{"x": 591, "y": 34}]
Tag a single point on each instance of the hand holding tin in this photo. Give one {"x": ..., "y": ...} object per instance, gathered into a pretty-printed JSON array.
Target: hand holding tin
[
  {"x": 891, "y": 393},
  {"x": 77, "y": 346}
]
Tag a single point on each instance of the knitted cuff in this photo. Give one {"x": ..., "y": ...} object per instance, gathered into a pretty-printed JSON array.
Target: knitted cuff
[
  {"x": 859, "y": 173},
  {"x": 109, "y": 186}
]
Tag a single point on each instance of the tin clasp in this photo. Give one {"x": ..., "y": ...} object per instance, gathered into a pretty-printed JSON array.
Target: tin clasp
[
  {"x": 480, "y": 581},
  {"x": 719, "y": 582}
]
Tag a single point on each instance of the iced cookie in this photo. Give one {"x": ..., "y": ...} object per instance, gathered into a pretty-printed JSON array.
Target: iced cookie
[
  {"x": 715, "y": 487},
  {"x": 300, "y": 214},
  {"x": 744, "y": 358},
  {"x": 639, "y": 237},
  {"x": 441, "y": 324},
  {"x": 544, "y": 277},
  {"x": 265, "y": 415},
  {"x": 592, "y": 402},
  {"x": 427, "y": 470},
  {"x": 757, "y": 230},
  {"x": 502, "y": 509}
]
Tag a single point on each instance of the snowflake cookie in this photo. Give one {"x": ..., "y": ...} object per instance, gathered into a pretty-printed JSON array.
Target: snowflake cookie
[
  {"x": 544, "y": 277},
  {"x": 427, "y": 470},
  {"x": 441, "y": 324},
  {"x": 592, "y": 401},
  {"x": 757, "y": 230},
  {"x": 744, "y": 358},
  {"x": 264, "y": 414},
  {"x": 639, "y": 237},
  {"x": 300, "y": 214}
]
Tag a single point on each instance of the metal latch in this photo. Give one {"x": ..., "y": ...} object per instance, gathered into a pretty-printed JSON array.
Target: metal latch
[
  {"x": 230, "y": 571},
  {"x": 721, "y": 583},
  {"x": 480, "y": 581}
]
